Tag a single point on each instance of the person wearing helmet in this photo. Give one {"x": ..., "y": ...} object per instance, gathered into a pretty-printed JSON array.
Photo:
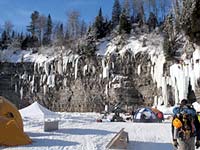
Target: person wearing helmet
[{"x": 185, "y": 127}]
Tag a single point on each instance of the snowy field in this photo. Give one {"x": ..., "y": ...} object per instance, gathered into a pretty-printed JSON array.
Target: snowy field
[{"x": 80, "y": 131}]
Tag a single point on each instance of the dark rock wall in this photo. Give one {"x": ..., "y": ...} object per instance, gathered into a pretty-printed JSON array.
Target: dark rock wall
[{"x": 24, "y": 83}]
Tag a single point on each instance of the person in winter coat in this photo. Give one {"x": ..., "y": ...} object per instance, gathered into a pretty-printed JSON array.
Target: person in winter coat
[{"x": 185, "y": 127}]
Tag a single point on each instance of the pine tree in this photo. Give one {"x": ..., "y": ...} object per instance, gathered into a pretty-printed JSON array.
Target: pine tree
[
  {"x": 88, "y": 47},
  {"x": 83, "y": 29},
  {"x": 4, "y": 40},
  {"x": 140, "y": 18},
  {"x": 189, "y": 19},
  {"x": 168, "y": 48},
  {"x": 48, "y": 32},
  {"x": 152, "y": 21},
  {"x": 59, "y": 35},
  {"x": 116, "y": 11},
  {"x": 124, "y": 23},
  {"x": 33, "y": 24},
  {"x": 98, "y": 26},
  {"x": 126, "y": 7}
]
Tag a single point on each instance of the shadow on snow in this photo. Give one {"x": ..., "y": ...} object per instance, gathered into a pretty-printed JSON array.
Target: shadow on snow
[
  {"x": 149, "y": 146},
  {"x": 78, "y": 131}
]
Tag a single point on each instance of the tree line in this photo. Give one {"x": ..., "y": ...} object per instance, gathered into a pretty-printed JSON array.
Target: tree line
[{"x": 126, "y": 15}]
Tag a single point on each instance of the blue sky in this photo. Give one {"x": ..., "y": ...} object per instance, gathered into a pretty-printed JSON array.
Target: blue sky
[{"x": 19, "y": 11}]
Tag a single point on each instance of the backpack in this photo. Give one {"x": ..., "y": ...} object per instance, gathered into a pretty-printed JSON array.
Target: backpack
[{"x": 183, "y": 122}]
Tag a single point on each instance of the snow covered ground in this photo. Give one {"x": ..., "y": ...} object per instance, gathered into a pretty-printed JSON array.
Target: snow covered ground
[{"x": 80, "y": 131}]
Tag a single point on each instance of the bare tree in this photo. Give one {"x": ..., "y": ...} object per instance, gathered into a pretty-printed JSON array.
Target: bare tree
[
  {"x": 163, "y": 6},
  {"x": 73, "y": 24},
  {"x": 8, "y": 27},
  {"x": 126, "y": 7},
  {"x": 41, "y": 27}
]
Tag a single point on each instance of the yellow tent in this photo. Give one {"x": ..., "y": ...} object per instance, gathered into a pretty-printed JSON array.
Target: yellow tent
[{"x": 11, "y": 125}]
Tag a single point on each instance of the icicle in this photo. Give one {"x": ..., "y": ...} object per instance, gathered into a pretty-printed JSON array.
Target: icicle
[
  {"x": 139, "y": 69},
  {"x": 85, "y": 69},
  {"x": 53, "y": 80},
  {"x": 93, "y": 69},
  {"x": 106, "y": 90},
  {"x": 29, "y": 78},
  {"x": 52, "y": 68},
  {"x": 45, "y": 89},
  {"x": 156, "y": 100},
  {"x": 158, "y": 70},
  {"x": 160, "y": 100},
  {"x": 60, "y": 67},
  {"x": 113, "y": 65},
  {"x": 106, "y": 72},
  {"x": 49, "y": 80},
  {"x": 44, "y": 78},
  {"x": 21, "y": 93},
  {"x": 76, "y": 67},
  {"x": 65, "y": 82},
  {"x": 35, "y": 67},
  {"x": 65, "y": 62},
  {"x": 100, "y": 75},
  {"x": 46, "y": 68},
  {"x": 24, "y": 76},
  {"x": 164, "y": 91},
  {"x": 15, "y": 87},
  {"x": 32, "y": 84},
  {"x": 41, "y": 77}
]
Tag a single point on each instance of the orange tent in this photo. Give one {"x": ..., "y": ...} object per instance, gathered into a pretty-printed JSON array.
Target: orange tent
[{"x": 11, "y": 125}]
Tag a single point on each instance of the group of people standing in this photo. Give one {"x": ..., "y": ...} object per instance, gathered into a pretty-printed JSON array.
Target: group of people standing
[{"x": 185, "y": 127}]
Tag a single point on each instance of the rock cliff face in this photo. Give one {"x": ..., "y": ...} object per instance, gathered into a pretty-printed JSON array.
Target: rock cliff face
[
  {"x": 132, "y": 74},
  {"x": 81, "y": 84}
]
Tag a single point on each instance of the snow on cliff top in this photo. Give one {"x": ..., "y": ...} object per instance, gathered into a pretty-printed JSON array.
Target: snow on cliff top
[
  {"x": 16, "y": 56},
  {"x": 151, "y": 43},
  {"x": 105, "y": 46}
]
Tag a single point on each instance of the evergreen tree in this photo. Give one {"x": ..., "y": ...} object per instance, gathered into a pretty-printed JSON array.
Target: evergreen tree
[
  {"x": 189, "y": 19},
  {"x": 59, "y": 35},
  {"x": 152, "y": 21},
  {"x": 48, "y": 32},
  {"x": 98, "y": 26},
  {"x": 33, "y": 24},
  {"x": 88, "y": 47},
  {"x": 124, "y": 23},
  {"x": 13, "y": 35},
  {"x": 168, "y": 48},
  {"x": 4, "y": 40},
  {"x": 126, "y": 7},
  {"x": 140, "y": 18},
  {"x": 26, "y": 43},
  {"x": 33, "y": 29},
  {"x": 116, "y": 11}
]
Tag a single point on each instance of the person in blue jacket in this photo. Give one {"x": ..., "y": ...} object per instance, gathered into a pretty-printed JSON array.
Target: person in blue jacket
[{"x": 185, "y": 127}]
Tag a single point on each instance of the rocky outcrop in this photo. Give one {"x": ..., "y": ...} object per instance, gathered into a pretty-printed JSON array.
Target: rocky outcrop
[
  {"x": 88, "y": 88},
  {"x": 190, "y": 19},
  {"x": 133, "y": 74}
]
